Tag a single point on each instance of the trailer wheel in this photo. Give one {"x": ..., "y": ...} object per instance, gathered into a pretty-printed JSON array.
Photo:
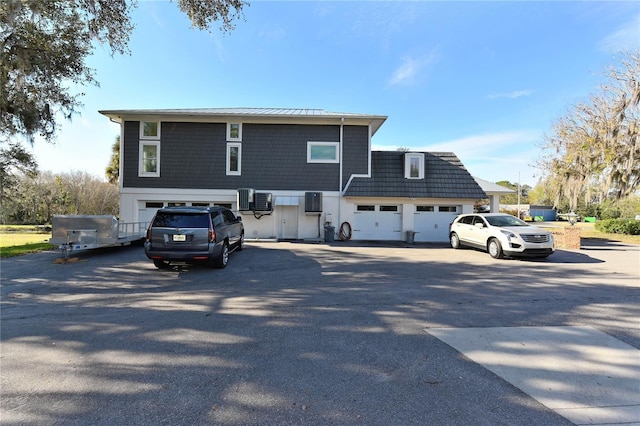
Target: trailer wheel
[{"x": 161, "y": 264}]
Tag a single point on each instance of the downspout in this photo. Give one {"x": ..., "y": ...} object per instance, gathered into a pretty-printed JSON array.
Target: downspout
[
  {"x": 120, "y": 167},
  {"x": 341, "y": 171}
]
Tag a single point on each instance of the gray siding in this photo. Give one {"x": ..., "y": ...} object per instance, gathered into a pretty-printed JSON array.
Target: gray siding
[
  {"x": 274, "y": 156},
  {"x": 355, "y": 151}
]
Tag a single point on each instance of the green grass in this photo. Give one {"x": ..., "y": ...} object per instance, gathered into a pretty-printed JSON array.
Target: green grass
[
  {"x": 11, "y": 251},
  {"x": 16, "y": 240},
  {"x": 588, "y": 230}
]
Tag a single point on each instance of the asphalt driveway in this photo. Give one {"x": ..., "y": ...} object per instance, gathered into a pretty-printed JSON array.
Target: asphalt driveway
[{"x": 293, "y": 333}]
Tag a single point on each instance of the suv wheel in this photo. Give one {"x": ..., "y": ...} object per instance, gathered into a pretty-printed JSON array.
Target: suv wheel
[
  {"x": 494, "y": 248},
  {"x": 223, "y": 258},
  {"x": 454, "y": 240}
]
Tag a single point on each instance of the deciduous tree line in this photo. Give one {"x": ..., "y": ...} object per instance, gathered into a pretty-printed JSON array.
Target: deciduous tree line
[
  {"x": 592, "y": 154},
  {"x": 34, "y": 198}
]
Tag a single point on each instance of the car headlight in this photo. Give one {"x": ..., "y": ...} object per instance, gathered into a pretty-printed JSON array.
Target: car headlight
[{"x": 509, "y": 234}]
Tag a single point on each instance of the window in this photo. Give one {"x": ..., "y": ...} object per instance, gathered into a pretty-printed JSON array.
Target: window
[
  {"x": 451, "y": 209},
  {"x": 229, "y": 217},
  {"x": 388, "y": 208},
  {"x": 365, "y": 208},
  {"x": 322, "y": 152},
  {"x": 467, "y": 220},
  {"x": 200, "y": 204},
  {"x": 234, "y": 159},
  {"x": 414, "y": 165},
  {"x": 154, "y": 205},
  {"x": 217, "y": 219},
  {"x": 149, "y": 157},
  {"x": 149, "y": 161},
  {"x": 425, "y": 208},
  {"x": 149, "y": 130},
  {"x": 234, "y": 131}
]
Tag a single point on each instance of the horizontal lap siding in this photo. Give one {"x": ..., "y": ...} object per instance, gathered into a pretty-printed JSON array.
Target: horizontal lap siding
[
  {"x": 274, "y": 156},
  {"x": 192, "y": 155},
  {"x": 355, "y": 151}
]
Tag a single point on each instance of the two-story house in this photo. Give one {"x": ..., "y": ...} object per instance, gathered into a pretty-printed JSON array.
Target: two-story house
[{"x": 289, "y": 172}]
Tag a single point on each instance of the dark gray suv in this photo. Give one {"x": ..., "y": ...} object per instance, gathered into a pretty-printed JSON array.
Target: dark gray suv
[{"x": 193, "y": 234}]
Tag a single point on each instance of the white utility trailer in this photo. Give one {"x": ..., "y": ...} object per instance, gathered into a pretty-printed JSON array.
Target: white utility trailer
[{"x": 84, "y": 232}]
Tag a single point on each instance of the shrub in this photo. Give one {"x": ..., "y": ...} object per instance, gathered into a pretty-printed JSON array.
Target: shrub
[{"x": 619, "y": 226}]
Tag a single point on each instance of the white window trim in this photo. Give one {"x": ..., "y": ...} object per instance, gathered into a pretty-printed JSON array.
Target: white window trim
[
  {"x": 229, "y": 171},
  {"x": 239, "y": 138},
  {"x": 142, "y": 136},
  {"x": 334, "y": 144},
  {"x": 141, "y": 172},
  {"x": 407, "y": 165}
]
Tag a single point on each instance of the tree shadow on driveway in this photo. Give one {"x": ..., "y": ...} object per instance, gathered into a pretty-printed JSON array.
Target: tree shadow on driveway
[{"x": 286, "y": 334}]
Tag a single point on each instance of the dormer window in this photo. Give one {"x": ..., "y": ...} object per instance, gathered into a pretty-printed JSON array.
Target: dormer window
[{"x": 414, "y": 165}]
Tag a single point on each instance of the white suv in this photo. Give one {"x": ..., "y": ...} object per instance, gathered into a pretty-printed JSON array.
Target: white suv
[{"x": 500, "y": 235}]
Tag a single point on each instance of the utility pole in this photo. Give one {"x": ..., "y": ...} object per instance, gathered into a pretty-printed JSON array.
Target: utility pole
[{"x": 519, "y": 192}]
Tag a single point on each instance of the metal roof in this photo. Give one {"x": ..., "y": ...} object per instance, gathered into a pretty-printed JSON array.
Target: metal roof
[
  {"x": 295, "y": 114},
  {"x": 494, "y": 188}
]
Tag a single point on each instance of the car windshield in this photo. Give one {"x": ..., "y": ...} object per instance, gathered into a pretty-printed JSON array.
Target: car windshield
[
  {"x": 506, "y": 220},
  {"x": 181, "y": 220}
]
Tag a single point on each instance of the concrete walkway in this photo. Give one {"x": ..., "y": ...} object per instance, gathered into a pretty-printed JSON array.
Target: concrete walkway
[{"x": 584, "y": 375}]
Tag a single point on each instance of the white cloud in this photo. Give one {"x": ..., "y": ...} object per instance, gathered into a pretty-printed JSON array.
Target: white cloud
[
  {"x": 511, "y": 95},
  {"x": 626, "y": 37},
  {"x": 486, "y": 145},
  {"x": 493, "y": 156},
  {"x": 411, "y": 66}
]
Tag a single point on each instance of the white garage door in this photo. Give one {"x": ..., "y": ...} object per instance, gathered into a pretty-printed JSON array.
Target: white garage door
[
  {"x": 146, "y": 213},
  {"x": 432, "y": 222},
  {"x": 377, "y": 222}
]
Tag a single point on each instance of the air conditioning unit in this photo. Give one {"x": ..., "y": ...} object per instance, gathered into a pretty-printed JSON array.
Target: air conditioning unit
[
  {"x": 263, "y": 202},
  {"x": 245, "y": 199},
  {"x": 313, "y": 202}
]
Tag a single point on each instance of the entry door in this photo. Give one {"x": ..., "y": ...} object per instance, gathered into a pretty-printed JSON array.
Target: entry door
[{"x": 288, "y": 222}]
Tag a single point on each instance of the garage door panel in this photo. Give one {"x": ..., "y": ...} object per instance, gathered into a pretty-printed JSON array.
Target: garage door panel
[
  {"x": 382, "y": 223},
  {"x": 433, "y": 226}
]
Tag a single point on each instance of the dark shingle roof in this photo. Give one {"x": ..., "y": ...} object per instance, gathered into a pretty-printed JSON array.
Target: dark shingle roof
[{"x": 444, "y": 177}]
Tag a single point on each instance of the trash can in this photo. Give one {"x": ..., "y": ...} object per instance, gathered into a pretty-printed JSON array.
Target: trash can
[
  {"x": 411, "y": 235},
  {"x": 329, "y": 234}
]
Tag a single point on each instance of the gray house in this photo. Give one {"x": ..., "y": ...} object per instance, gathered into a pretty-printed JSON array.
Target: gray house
[{"x": 289, "y": 172}]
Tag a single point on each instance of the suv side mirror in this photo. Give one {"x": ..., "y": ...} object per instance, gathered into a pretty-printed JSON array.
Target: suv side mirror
[
  {"x": 239, "y": 218},
  {"x": 479, "y": 225}
]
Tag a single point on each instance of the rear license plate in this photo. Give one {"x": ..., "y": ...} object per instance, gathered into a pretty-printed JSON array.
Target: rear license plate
[{"x": 178, "y": 237}]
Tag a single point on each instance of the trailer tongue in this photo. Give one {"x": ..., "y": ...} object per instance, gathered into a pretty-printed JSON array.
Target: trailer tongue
[{"x": 85, "y": 232}]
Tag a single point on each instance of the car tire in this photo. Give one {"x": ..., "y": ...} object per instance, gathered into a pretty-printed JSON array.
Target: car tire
[
  {"x": 161, "y": 264},
  {"x": 223, "y": 258},
  {"x": 454, "y": 240},
  {"x": 495, "y": 249}
]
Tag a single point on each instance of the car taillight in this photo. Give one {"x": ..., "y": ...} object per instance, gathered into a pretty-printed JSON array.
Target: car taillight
[
  {"x": 212, "y": 235},
  {"x": 149, "y": 234}
]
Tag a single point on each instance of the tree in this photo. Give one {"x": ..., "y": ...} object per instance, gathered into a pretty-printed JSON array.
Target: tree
[
  {"x": 45, "y": 44},
  {"x": 593, "y": 152},
  {"x": 513, "y": 198},
  {"x": 15, "y": 160},
  {"x": 112, "y": 171},
  {"x": 36, "y": 198}
]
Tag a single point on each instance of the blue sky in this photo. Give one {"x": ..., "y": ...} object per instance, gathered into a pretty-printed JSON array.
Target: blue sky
[{"x": 485, "y": 80}]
